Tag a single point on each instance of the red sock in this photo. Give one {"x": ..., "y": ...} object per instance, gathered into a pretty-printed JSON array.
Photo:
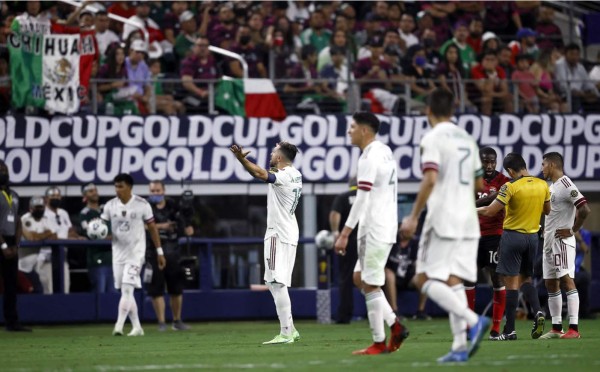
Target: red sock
[
  {"x": 470, "y": 297},
  {"x": 498, "y": 308}
]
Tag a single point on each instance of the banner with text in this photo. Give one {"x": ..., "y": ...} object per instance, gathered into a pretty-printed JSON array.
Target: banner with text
[{"x": 71, "y": 150}]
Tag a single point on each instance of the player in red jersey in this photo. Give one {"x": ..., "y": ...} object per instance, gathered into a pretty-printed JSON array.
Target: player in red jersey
[{"x": 491, "y": 231}]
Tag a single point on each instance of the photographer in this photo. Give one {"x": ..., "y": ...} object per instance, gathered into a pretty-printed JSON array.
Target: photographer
[{"x": 171, "y": 223}]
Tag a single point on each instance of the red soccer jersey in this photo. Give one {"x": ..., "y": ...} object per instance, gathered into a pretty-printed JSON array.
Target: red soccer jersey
[{"x": 492, "y": 225}]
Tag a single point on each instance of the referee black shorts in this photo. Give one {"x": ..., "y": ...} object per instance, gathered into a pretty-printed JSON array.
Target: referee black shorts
[
  {"x": 517, "y": 253},
  {"x": 171, "y": 276},
  {"x": 487, "y": 254}
]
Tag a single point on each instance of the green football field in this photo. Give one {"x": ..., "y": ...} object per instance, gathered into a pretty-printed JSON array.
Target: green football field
[{"x": 237, "y": 345}]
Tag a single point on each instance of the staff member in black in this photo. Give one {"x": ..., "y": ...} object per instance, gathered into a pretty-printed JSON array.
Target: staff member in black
[
  {"x": 171, "y": 225},
  {"x": 339, "y": 212},
  {"x": 10, "y": 237}
]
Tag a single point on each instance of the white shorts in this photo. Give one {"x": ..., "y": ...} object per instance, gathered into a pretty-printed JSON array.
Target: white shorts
[
  {"x": 558, "y": 259},
  {"x": 279, "y": 261},
  {"x": 127, "y": 273},
  {"x": 438, "y": 257},
  {"x": 372, "y": 257}
]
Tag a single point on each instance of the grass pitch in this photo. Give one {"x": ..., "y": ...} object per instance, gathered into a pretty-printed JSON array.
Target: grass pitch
[{"x": 238, "y": 345}]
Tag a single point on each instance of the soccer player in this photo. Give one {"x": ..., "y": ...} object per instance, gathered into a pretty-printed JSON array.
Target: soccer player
[
  {"x": 567, "y": 205},
  {"x": 375, "y": 211},
  {"x": 281, "y": 237},
  {"x": 128, "y": 214},
  {"x": 448, "y": 247},
  {"x": 525, "y": 198},
  {"x": 491, "y": 231}
]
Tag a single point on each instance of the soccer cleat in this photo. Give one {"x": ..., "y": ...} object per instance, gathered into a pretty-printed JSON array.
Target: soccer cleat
[
  {"x": 280, "y": 339},
  {"x": 552, "y": 334},
  {"x": 507, "y": 336},
  {"x": 162, "y": 327},
  {"x": 117, "y": 332},
  {"x": 477, "y": 333},
  {"x": 454, "y": 357},
  {"x": 180, "y": 326},
  {"x": 538, "y": 325},
  {"x": 571, "y": 333},
  {"x": 398, "y": 333},
  {"x": 376, "y": 348},
  {"x": 136, "y": 332},
  {"x": 494, "y": 335},
  {"x": 296, "y": 335}
]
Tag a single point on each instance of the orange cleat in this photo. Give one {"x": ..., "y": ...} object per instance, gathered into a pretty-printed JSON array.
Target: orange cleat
[
  {"x": 376, "y": 348},
  {"x": 571, "y": 333}
]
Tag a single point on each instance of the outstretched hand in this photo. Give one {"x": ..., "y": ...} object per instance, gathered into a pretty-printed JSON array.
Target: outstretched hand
[{"x": 239, "y": 152}]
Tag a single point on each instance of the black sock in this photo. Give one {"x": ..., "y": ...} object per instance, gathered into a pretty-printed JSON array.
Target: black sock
[
  {"x": 512, "y": 299},
  {"x": 557, "y": 327},
  {"x": 574, "y": 327},
  {"x": 531, "y": 296}
]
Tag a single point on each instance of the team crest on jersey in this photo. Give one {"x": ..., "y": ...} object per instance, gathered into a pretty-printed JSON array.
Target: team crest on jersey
[
  {"x": 124, "y": 213},
  {"x": 574, "y": 193},
  {"x": 492, "y": 189}
]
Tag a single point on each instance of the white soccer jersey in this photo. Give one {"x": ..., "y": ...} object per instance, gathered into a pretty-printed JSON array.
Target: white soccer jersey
[
  {"x": 282, "y": 200},
  {"x": 377, "y": 174},
  {"x": 453, "y": 153},
  {"x": 564, "y": 199},
  {"x": 59, "y": 222},
  {"x": 28, "y": 257},
  {"x": 128, "y": 228}
]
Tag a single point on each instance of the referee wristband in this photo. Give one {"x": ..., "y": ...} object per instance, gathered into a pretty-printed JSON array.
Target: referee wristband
[
  {"x": 4, "y": 246},
  {"x": 160, "y": 251}
]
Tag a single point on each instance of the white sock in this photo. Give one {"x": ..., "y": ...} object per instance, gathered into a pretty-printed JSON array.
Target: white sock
[
  {"x": 388, "y": 313},
  {"x": 133, "y": 314},
  {"x": 448, "y": 300},
  {"x": 573, "y": 306},
  {"x": 458, "y": 325},
  {"x": 375, "y": 302},
  {"x": 555, "y": 306},
  {"x": 283, "y": 305},
  {"x": 124, "y": 305}
]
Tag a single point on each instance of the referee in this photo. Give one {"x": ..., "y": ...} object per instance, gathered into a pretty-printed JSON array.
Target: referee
[{"x": 525, "y": 199}]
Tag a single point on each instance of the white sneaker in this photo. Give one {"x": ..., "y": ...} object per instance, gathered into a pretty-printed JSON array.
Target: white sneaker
[
  {"x": 117, "y": 332},
  {"x": 136, "y": 332}
]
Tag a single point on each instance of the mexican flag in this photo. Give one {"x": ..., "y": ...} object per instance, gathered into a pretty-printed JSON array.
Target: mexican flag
[
  {"x": 250, "y": 98},
  {"x": 44, "y": 67}
]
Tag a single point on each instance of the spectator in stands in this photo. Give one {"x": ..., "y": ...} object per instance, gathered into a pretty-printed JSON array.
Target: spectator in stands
[
  {"x": 525, "y": 81},
  {"x": 257, "y": 30},
  {"x": 573, "y": 77},
  {"x": 158, "y": 45},
  {"x": 165, "y": 103},
  {"x": 36, "y": 227},
  {"x": 381, "y": 9},
  {"x": 407, "y": 28},
  {"x": 342, "y": 24},
  {"x": 491, "y": 87},
  {"x": 543, "y": 71},
  {"x": 392, "y": 56},
  {"x": 528, "y": 12},
  {"x": 290, "y": 41},
  {"x": 594, "y": 72},
  {"x": 549, "y": 34},
  {"x": 221, "y": 30},
  {"x": 200, "y": 65},
  {"x": 338, "y": 40},
  {"x": 283, "y": 47},
  {"x": 337, "y": 72},
  {"x": 425, "y": 22},
  {"x": 372, "y": 27},
  {"x": 489, "y": 41},
  {"x": 441, "y": 13},
  {"x": 251, "y": 54},
  {"x": 99, "y": 258},
  {"x": 350, "y": 13},
  {"x": 104, "y": 36},
  {"x": 298, "y": 11},
  {"x": 583, "y": 279},
  {"x": 123, "y": 9},
  {"x": 466, "y": 11},
  {"x": 431, "y": 51},
  {"x": 502, "y": 18},
  {"x": 395, "y": 15},
  {"x": 138, "y": 74},
  {"x": 451, "y": 74},
  {"x": 475, "y": 34},
  {"x": 524, "y": 44},
  {"x": 316, "y": 35},
  {"x": 505, "y": 60},
  {"x": 422, "y": 83},
  {"x": 171, "y": 23},
  {"x": 117, "y": 94},
  {"x": 187, "y": 35},
  {"x": 467, "y": 55}
]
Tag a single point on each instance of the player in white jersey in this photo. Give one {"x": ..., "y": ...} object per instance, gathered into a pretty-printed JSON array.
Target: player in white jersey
[
  {"x": 375, "y": 211},
  {"x": 128, "y": 215},
  {"x": 452, "y": 174},
  {"x": 281, "y": 237},
  {"x": 568, "y": 211}
]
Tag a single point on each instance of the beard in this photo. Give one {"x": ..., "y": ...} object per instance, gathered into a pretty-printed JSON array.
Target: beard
[{"x": 272, "y": 163}]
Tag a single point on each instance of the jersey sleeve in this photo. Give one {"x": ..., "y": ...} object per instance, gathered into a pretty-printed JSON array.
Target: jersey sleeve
[
  {"x": 147, "y": 213},
  {"x": 576, "y": 197},
  {"x": 105, "y": 215},
  {"x": 505, "y": 193},
  {"x": 367, "y": 170},
  {"x": 281, "y": 178},
  {"x": 430, "y": 155}
]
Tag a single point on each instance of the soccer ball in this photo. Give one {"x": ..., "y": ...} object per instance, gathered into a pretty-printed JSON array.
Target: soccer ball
[
  {"x": 97, "y": 229},
  {"x": 324, "y": 239}
]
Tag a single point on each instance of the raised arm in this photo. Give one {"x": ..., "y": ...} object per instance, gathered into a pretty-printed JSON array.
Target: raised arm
[{"x": 254, "y": 170}]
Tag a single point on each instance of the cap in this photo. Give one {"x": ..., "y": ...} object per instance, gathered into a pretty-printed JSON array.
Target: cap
[
  {"x": 139, "y": 46},
  {"x": 36, "y": 201},
  {"x": 488, "y": 36},
  {"x": 525, "y": 32},
  {"x": 376, "y": 41},
  {"x": 186, "y": 16},
  {"x": 87, "y": 187}
]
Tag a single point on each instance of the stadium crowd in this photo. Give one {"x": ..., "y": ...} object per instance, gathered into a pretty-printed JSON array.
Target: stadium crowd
[{"x": 324, "y": 55}]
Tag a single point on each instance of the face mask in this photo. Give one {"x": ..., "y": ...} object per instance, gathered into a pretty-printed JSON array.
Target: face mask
[
  {"x": 244, "y": 40},
  {"x": 155, "y": 199},
  {"x": 4, "y": 179},
  {"x": 54, "y": 203},
  {"x": 428, "y": 43},
  {"x": 37, "y": 214},
  {"x": 420, "y": 61}
]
